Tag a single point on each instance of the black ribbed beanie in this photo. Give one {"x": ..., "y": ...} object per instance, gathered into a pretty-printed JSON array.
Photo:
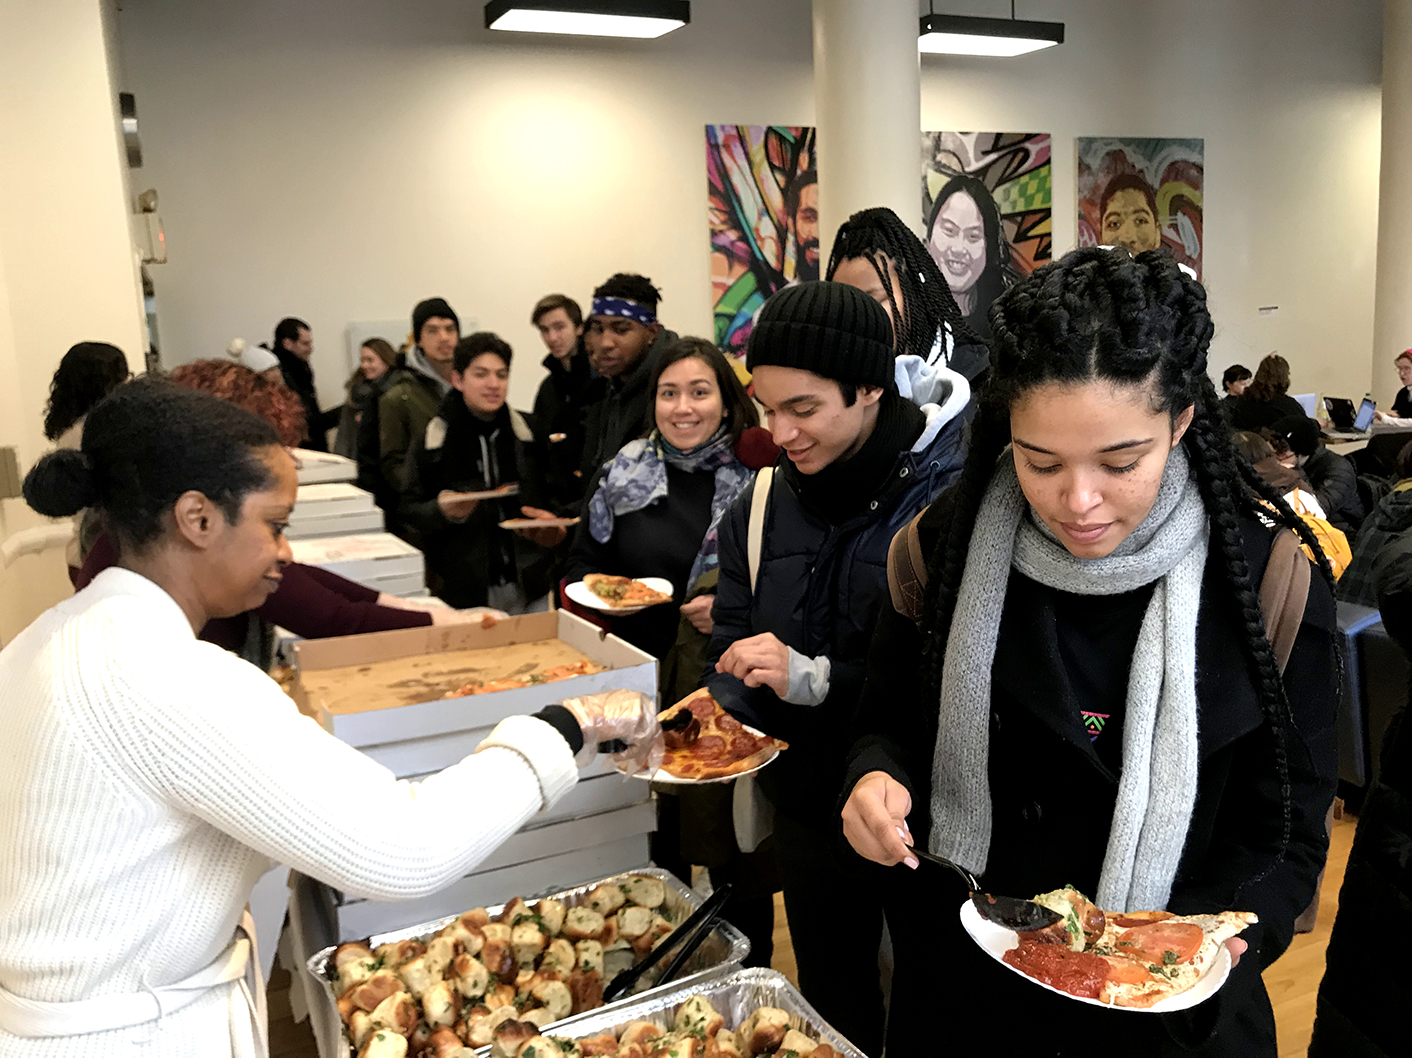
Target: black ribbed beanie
[
  {"x": 425, "y": 310},
  {"x": 831, "y": 329}
]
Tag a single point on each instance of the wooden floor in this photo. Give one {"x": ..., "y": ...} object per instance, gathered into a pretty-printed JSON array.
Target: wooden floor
[{"x": 1293, "y": 982}]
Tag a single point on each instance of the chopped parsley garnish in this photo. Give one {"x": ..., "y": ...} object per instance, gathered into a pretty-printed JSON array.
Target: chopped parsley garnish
[{"x": 1169, "y": 958}]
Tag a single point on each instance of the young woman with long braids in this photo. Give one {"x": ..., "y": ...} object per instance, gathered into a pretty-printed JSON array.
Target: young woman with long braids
[
  {"x": 880, "y": 255},
  {"x": 1096, "y": 703}
]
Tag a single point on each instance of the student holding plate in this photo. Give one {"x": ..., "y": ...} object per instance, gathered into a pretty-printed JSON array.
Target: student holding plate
[
  {"x": 1084, "y": 692},
  {"x": 650, "y": 507}
]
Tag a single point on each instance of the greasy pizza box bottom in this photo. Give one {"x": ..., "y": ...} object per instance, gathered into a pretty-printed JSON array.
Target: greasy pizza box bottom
[{"x": 735, "y": 993}]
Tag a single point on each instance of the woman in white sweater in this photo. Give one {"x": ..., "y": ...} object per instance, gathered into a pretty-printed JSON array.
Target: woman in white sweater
[{"x": 147, "y": 779}]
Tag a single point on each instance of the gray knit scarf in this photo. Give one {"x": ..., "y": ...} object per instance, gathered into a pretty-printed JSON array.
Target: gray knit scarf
[{"x": 1157, "y": 788}]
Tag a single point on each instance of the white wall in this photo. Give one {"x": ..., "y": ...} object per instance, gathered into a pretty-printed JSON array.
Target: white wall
[
  {"x": 1285, "y": 93},
  {"x": 67, "y": 272},
  {"x": 339, "y": 161}
]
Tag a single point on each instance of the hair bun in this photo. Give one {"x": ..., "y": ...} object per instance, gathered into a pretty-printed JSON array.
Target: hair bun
[{"x": 61, "y": 484}]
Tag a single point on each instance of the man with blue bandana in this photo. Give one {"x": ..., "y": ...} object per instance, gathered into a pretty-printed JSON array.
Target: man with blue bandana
[{"x": 624, "y": 339}]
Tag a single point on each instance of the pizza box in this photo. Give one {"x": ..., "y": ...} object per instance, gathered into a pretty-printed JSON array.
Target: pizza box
[
  {"x": 378, "y": 560},
  {"x": 384, "y": 690},
  {"x": 381, "y": 692},
  {"x": 353, "y": 523},
  {"x": 316, "y": 467},
  {"x": 330, "y": 498}
]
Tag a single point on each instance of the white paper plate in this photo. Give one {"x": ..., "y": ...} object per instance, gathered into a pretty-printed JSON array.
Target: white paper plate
[
  {"x": 995, "y": 941},
  {"x": 512, "y": 489},
  {"x": 672, "y": 780},
  {"x": 579, "y": 592}
]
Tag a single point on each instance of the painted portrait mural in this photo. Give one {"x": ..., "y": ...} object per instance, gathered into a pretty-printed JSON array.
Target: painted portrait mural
[
  {"x": 1142, "y": 194},
  {"x": 987, "y": 206},
  {"x": 763, "y": 210}
]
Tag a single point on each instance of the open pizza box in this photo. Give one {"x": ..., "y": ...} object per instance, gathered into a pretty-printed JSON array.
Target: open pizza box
[{"x": 382, "y": 689}]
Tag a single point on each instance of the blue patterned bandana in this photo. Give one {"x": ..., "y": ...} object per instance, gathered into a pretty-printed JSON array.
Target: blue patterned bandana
[
  {"x": 637, "y": 478},
  {"x": 624, "y": 307}
]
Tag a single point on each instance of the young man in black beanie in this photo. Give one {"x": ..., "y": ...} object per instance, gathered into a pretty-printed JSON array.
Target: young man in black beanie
[
  {"x": 1332, "y": 476},
  {"x": 410, "y": 402},
  {"x": 789, "y": 651}
]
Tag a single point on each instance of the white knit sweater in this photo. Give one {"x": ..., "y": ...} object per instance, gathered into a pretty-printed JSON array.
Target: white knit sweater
[{"x": 147, "y": 779}]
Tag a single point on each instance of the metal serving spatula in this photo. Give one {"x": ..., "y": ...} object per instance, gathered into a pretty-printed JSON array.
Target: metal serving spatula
[{"x": 1009, "y": 911}]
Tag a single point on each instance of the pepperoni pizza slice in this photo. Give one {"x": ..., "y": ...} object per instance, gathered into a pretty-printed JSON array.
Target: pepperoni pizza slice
[{"x": 713, "y": 745}]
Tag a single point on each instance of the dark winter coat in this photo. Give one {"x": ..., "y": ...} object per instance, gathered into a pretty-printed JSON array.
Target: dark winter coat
[
  {"x": 660, "y": 540},
  {"x": 1363, "y": 995},
  {"x": 366, "y": 448},
  {"x": 299, "y": 377},
  {"x": 403, "y": 413},
  {"x": 559, "y": 407},
  {"x": 1335, "y": 485},
  {"x": 1053, "y": 799},
  {"x": 621, "y": 413},
  {"x": 453, "y": 454},
  {"x": 1389, "y": 524},
  {"x": 819, "y": 591}
]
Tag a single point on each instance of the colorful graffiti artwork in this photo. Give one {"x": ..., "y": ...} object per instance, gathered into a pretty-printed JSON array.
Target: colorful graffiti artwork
[
  {"x": 763, "y": 207},
  {"x": 987, "y": 207},
  {"x": 1143, "y": 193}
]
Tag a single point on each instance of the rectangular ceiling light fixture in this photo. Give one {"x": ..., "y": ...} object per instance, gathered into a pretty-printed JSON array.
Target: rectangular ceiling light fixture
[
  {"x": 606, "y": 18},
  {"x": 973, "y": 35}
]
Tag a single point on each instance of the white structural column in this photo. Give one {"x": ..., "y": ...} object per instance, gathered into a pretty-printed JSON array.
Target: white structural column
[
  {"x": 1392, "y": 319},
  {"x": 867, "y": 98}
]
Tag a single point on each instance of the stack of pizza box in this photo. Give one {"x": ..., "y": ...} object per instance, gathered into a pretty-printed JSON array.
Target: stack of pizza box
[{"x": 383, "y": 693}]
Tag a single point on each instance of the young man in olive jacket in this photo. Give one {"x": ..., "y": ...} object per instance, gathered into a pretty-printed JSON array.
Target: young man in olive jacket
[
  {"x": 788, "y": 653},
  {"x": 409, "y": 404}
]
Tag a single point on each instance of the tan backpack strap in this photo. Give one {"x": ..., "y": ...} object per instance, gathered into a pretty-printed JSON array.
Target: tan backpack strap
[
  {"x": 907, "y": 570},
  {"x": 755, "y": 536},
  {"x": 1284, "y": 591}
]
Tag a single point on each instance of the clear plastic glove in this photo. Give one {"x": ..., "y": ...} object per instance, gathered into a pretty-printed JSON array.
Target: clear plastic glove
[{"x": 627, "y": 716}]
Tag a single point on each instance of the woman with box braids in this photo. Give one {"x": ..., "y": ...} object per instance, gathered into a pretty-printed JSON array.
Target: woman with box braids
[
  {"x": 877, "y": 253},
  {"x": 1098, "y": 702}
]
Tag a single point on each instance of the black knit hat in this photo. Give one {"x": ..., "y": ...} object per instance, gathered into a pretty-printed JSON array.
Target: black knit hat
[
  {"x": 425, "y": 310},
  {"x": 830, "y": 329}
]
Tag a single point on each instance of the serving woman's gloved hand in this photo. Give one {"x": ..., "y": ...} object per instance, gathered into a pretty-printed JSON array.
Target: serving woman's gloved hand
[{"x": 627, "y": 717}]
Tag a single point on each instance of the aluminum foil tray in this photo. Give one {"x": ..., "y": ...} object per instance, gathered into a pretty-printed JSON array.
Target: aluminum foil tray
[
  {"x": 725, "y": 946},
  {"x": 736, "y": 994}
]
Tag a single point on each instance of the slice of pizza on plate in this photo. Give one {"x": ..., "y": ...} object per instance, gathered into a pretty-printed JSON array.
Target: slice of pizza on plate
[
  {"x": 1133, "y": 959},
  {"x": 623, "y": 591},
  {"x": 712, "y": 745}
]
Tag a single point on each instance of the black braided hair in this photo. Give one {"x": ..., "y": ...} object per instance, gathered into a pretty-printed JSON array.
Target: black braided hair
[
  {"x": 878, "y": 235},
  {"x": 1103, "y": 314}
]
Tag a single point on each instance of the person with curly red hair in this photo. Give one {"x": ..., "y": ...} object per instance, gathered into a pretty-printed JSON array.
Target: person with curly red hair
[{"x": 274, "y": 402}]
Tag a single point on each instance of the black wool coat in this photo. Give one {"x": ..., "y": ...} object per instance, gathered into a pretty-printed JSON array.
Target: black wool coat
[{"x": 1053, "y": 801}]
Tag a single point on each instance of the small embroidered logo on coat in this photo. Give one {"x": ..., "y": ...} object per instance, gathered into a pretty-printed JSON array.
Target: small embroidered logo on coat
[{"x": 1094, "y": 722}]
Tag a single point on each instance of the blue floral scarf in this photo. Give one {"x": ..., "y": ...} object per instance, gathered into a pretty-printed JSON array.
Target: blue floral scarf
[{"x": 637, "y": 478}]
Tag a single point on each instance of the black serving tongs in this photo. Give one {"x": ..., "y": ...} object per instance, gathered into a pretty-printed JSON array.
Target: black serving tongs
[
  {"x": 1009, "y": 911},
  {"x": 702, "y": 921},
  {"x": 672, "y": 723}
]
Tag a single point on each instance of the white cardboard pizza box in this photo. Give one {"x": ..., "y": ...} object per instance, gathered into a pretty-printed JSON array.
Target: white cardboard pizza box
[
  {"x": 333, "y": 509},
  {"x": 597, "y": 828},
  {"x": 312, "y": 527},
  {"x": 550, "y": 857},
  {"x": 329, "y": 498},
  {"x": 378, "y": 560},
  {"x": 312, "y": 468}
]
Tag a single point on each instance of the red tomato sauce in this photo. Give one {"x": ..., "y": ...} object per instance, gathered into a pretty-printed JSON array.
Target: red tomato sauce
[{"x": 1079, "y": 973}]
